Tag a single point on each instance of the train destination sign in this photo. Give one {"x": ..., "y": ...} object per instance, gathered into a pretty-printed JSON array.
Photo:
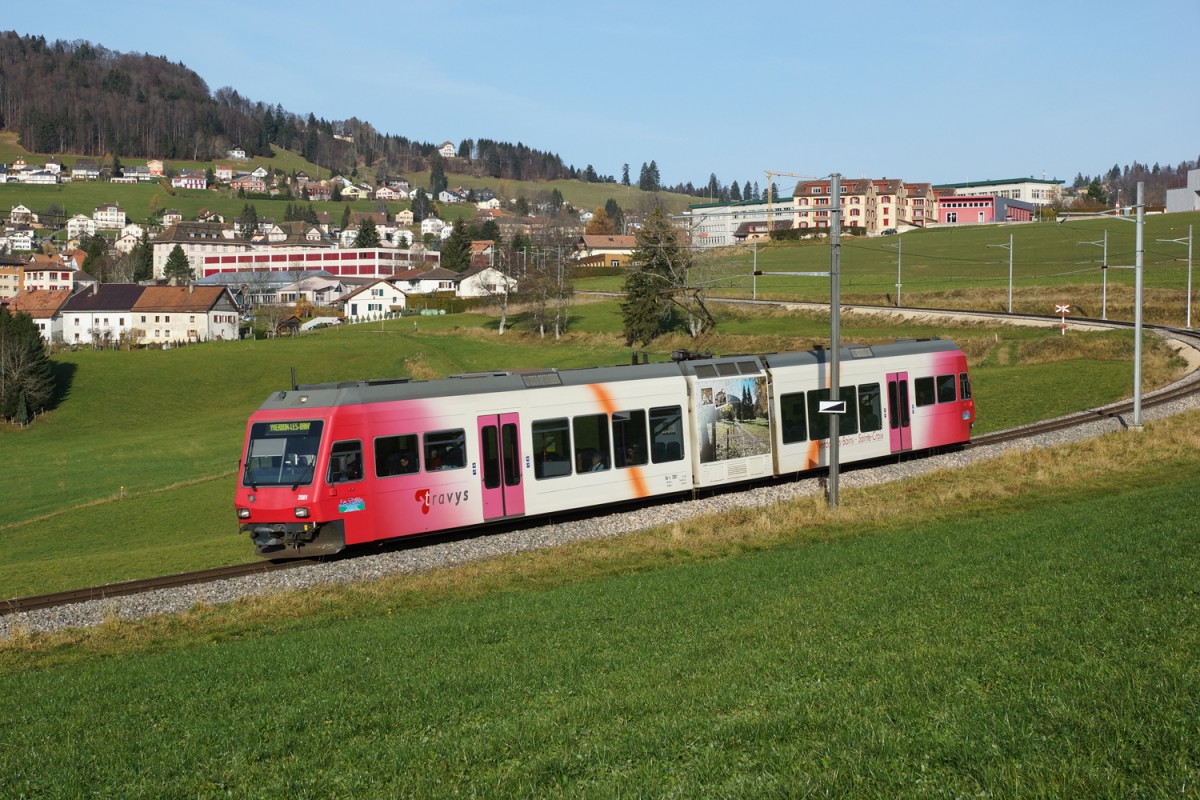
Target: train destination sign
[
  {"x": 832, "y": 407},
  {"x": 289, "y": 427}
]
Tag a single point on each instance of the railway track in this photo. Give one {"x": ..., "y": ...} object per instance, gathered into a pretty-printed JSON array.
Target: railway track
[
  {"x": 125, "y": 588},
  {"x": 1180, "y": 390}
]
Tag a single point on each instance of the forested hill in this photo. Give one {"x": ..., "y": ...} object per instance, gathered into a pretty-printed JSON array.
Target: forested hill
[{"x": 81, "y": 98}]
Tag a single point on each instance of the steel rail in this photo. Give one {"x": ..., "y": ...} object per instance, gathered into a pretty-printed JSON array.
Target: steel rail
[{"x": 19, "y": 605}]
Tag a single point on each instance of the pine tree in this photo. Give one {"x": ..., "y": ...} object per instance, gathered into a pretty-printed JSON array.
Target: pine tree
[
  {"x": 615, "y": 214},
  {"x": 247, "y": 221},
  {"x": 143, "y": 260},
  {"x": 420, "y": 205},
  {"x": 489, "y": 230},
  {"x": 625, "y": 175},
  {"x": 26, "y": 378},
  {"x": 456, "y": 252},
  {"x": 178, "y": 269},
  {"x": 437, "y": 176},
  {"x": 658, "y": 263},
  {"x": 367, "y": 235}
]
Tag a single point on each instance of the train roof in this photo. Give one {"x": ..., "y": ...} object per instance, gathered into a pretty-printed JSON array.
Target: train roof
[
  {"x": 392, "y": 389},
  {"x": 345, "y": 393},
  {"x": 855, "y": 352}
]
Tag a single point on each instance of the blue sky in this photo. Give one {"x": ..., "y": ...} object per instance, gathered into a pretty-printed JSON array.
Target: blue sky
[{"x": 941, "y": 92}]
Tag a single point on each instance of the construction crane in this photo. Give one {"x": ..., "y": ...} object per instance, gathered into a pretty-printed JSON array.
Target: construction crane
[{"x": 770, "y": 183}]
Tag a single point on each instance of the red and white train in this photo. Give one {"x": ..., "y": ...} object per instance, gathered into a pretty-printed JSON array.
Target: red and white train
[{"x": 327, "y": 466}]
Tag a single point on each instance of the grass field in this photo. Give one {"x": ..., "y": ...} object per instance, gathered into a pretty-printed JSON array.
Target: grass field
[
  {"x": 141, "y": 435},
  {"x": 1019, "y": 628},
  {"x": 959, "y": 268},
  {"x": 1025, "y": 627},
  {"x": 584, "y": 196}
]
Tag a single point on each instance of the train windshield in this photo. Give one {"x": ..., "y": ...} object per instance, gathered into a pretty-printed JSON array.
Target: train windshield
[{"x": 282, "y": 453}]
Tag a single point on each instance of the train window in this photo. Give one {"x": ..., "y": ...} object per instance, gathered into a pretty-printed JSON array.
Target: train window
[
  {"x": 551, "y": 448},
  {"x": 512, "y": 454},
  {"x": 945, "y": 388},
  {"x": 282, "y": 453},
  {"x": 629, "y": 438},
  {"x": 445, "y": 450},
  {"x": 396, "y": 455},
  {"x": 489, "y": 454},
  {"x": 345, "y": 462},
  {"x": 591, "y": 443},
  {"x": 964, "y": 386},
  {"x": 727, "y": 369},
  {"x": 818, "y": 423},
  {"x": 923, "y": 388},
  {"x": 791, "y": 414},
  {"x": 870, "y": 408},
  {"x": 666, "y": 434}
]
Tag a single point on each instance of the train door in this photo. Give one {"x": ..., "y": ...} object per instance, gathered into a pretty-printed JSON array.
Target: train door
[
  {"x": 500, "y": 466},
  {"x": 899, "y": 416}
]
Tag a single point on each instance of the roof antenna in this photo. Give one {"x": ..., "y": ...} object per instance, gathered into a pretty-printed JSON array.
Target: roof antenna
[{"x": 293, "y": 379}]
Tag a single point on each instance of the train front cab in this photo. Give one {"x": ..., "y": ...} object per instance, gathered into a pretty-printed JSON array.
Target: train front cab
[{"x": 285, "y": 488}]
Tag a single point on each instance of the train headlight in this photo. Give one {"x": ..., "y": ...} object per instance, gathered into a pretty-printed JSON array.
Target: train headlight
[
  {"x": 301, "y": 512},
  {"x": 243, "y": 513}
]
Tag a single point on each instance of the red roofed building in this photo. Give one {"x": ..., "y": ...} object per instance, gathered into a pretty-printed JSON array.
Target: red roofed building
[
  {"x": 44, "y": 306},
  {"x": 186, "y": 314}
]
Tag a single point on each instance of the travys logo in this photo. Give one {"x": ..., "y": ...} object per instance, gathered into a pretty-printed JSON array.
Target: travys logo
[{"x": 429, "y": 499}]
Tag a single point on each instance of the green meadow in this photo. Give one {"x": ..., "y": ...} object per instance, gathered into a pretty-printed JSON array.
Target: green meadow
[
  {"x": 132, "y": 474},
  {"x": 1020, "y": 628},
  {"x": 1024, "y": 627},
  {"x": 963, "y": 268}
]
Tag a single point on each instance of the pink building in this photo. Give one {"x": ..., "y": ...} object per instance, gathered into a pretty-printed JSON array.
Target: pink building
[{"x": 981, "y": 209}]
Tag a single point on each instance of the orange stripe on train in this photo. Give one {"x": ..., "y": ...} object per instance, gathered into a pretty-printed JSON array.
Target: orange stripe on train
[{"x": 637, "y": 480}]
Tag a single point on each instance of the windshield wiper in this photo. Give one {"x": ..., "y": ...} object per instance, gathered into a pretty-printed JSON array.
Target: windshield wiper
[{"x": 305, "y": 477}]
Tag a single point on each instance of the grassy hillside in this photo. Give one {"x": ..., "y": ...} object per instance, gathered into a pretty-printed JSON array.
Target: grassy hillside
[
  {"x": 1018, "y": 628},
  {"x": 140, "y": 201},
  {"x": 166, "y": 427},
  {"x": 962, "y": 268},
  {"x": 585, "y": 196}
]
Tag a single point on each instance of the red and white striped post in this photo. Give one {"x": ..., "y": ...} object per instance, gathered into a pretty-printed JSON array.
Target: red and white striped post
[{"x": 1062, "y": 309}]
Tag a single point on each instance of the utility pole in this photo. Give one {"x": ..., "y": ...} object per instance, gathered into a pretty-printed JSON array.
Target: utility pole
[
  {"x": 1104, "y": 275},
  {"x": 1008, "y": 247},
  {"x": 899, "y": 253},
  {"x": 1137, "y": 302},
  {"x": 1188, "y": 300},
  {"x": 835, "y": 329},
  {"x": 1137, "y": 310},
  {"x": 754, "y": 286}
]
